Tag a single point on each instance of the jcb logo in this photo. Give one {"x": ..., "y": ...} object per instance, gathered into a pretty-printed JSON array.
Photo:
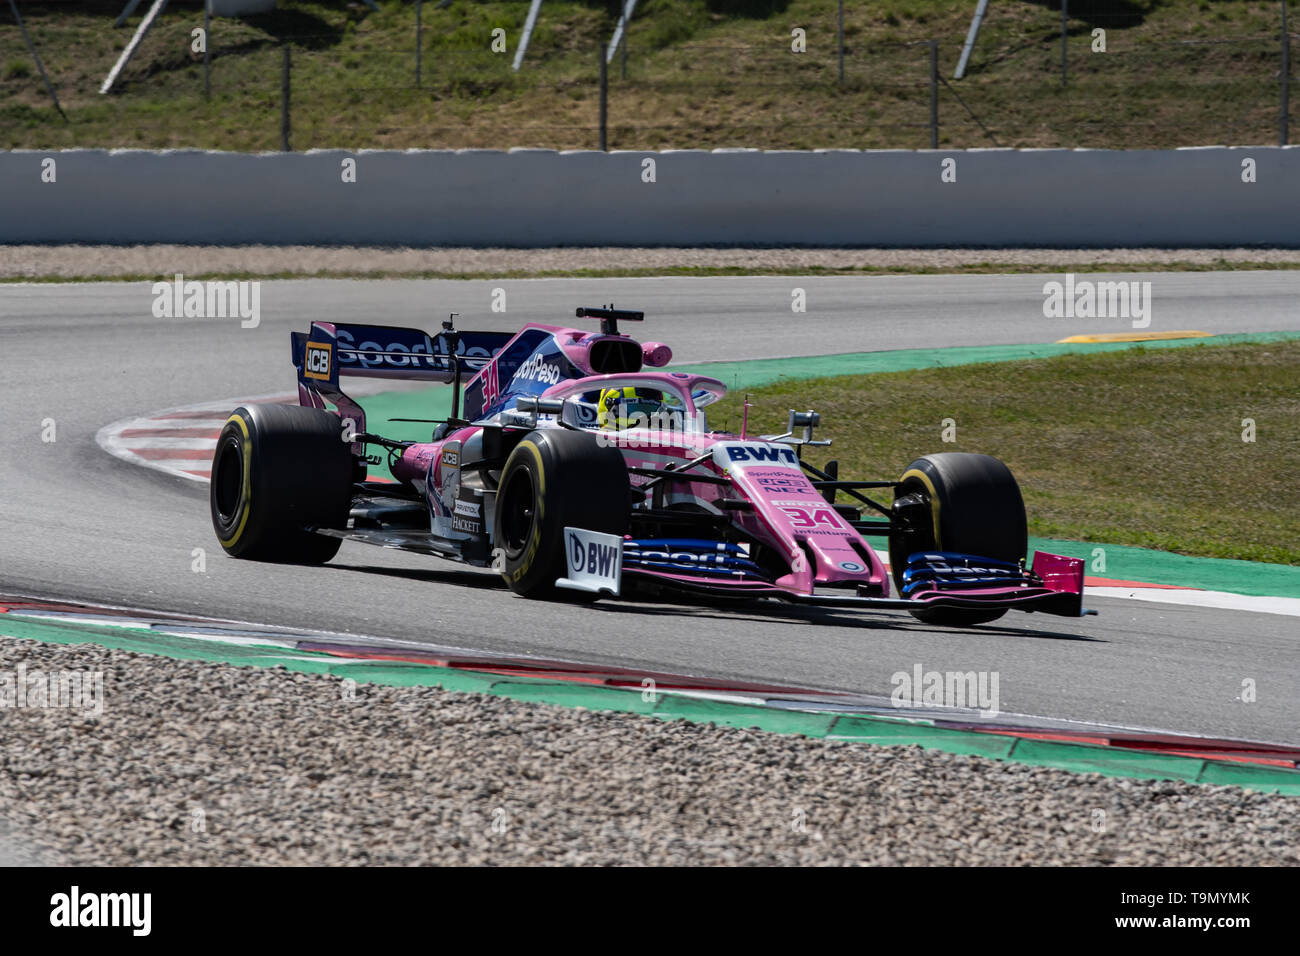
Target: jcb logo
[{"x": 317, "y": 363}]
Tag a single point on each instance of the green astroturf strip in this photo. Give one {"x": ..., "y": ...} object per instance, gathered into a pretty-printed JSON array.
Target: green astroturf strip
[
  {"x": 752, "y": 374},
  {"x": 1081, "y": 758}
]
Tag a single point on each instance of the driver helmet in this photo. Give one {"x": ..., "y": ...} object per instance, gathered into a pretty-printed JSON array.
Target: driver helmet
[{"x": 626, "y": 407}]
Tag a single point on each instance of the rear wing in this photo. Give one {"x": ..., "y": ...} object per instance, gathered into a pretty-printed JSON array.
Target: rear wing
[
  {"x": 377, "y": 351},
  {"x": 333, "y": 349}
]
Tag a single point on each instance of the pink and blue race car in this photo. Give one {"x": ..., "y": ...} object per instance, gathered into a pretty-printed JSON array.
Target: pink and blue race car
[{"x": 577, "y": 465}]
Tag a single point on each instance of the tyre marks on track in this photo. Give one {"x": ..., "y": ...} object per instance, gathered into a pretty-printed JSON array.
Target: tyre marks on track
[{"x": 176, "y": 441}]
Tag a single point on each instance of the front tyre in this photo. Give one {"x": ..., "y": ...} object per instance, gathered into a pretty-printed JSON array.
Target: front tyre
[
  {"x": 277, "y": 469},
  {"x": 968, "y": 503},
  {"x": 553, "y": 479}
]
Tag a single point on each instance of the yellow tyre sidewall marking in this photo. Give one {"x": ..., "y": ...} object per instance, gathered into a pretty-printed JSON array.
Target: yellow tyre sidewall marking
[
  {"x": 535, "y": 539},
  {"x": 247, "y": 494},
  {"x": 934, "y": 501}
]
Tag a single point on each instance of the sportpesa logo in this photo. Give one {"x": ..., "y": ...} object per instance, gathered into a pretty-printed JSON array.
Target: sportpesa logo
[
  {"x": 537, "y": 369},
  {"x": 962, "y": 571},
  {"x": 404, "y": 351}
]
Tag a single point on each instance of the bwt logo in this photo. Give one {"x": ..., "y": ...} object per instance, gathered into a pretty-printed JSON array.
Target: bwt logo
[
  {"x": 593, "y": 558},
  {"x": 761, "y": 453}
]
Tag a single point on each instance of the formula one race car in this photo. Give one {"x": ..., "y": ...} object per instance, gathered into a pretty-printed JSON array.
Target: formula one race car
[{"x": 573, "y": 472}]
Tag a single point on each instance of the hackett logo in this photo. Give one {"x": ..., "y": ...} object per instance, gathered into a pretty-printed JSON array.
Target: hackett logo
[{"x": 103, "y": 909}]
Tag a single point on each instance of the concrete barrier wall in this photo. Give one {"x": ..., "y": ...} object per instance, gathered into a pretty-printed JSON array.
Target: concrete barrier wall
[{"x": 1192, "y": 197}]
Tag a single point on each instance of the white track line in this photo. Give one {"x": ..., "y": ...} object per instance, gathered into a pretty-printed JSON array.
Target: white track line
[{"x": 1190, "y": 597}]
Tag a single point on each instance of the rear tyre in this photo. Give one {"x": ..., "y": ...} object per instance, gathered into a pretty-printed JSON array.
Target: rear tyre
[
  {"x": 276, "y": 469},
  {"x": 974, "y": 506},
  {"x": 555, "y": 478}
]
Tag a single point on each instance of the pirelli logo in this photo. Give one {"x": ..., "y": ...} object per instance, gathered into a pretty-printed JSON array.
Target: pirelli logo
[{"x": 317, "y": 362}]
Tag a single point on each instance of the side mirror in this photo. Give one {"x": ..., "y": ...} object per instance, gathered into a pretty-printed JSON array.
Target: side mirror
[
  {"x": 656, "y": 354},
  {"x": 531, "y": 405},
  {"x": 540, "y": 406},
  {"x": 806, "y": 420}
]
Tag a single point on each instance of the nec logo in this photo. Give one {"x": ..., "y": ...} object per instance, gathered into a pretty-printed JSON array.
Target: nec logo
[
  {"x": 593, "y": 558},
  {"x": 317, "y": 362},
  {"x": 759, "y": 453}
]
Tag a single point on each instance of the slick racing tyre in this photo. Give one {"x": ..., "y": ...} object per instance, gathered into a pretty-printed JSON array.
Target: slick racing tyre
[
  {"x": 555, "y": 478},
  {"x": 973, "y": 505},
  {"x": 276, "y": 469}
]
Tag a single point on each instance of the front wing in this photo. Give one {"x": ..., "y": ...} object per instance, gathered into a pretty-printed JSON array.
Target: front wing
[{"x": 1054, "y": 584}]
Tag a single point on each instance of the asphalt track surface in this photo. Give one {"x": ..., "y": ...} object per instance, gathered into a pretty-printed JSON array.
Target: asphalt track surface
[{"x": 77, "y": 523}]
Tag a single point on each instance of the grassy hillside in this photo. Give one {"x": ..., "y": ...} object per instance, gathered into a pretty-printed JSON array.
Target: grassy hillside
[
  {"x": 700, "y": 73},
  {"x": 1140, "y": 447}
]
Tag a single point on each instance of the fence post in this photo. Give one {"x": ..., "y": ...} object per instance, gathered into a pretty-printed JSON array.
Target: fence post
[
  {"x": 626, "y": 26},
  {"x": 1065, "y": 18},
  {"x": 839, "y": 38},
  {"x": 31, "y": 48},
  {"x": 1284, "y": 119},
  {"x": 604, "y": 95},
  {"x": 934, "y": 94},
  {"x": 207, "y": 49},
  {"x": 419, "y": 38},
  {"x": 284, "y": 102}
]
